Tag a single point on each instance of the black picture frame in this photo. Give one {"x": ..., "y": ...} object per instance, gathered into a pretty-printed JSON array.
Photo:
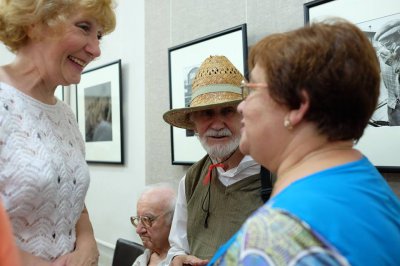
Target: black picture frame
[
  {"x": 99, "y": 113},
  {"x": 380, "y": 142},
  {"x": 184, "y": 60}
]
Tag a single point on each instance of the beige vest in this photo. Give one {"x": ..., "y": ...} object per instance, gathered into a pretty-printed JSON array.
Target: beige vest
[{"x": 228, "y": 208}]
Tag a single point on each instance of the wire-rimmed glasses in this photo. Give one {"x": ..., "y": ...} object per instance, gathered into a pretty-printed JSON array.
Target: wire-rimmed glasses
[
  {"x": 146, "y": 220},
  {"x": 247, "y": 87}
]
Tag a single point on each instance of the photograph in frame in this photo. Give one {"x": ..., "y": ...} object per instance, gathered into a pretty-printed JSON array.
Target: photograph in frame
[
  {"x": 184, "y": 61},
  {"x": 98, "y": 110},
  {"x": 380, "y": 21}
]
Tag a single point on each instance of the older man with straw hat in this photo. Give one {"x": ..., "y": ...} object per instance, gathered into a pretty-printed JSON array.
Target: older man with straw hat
[{"x": 223, "y": 188}]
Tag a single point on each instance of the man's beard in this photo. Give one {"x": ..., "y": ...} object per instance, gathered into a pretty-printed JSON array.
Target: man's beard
[{"x": 220, "y": 151}]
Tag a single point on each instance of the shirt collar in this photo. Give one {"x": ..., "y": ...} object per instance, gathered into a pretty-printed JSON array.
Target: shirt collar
[{"x": 245, "y": 163}]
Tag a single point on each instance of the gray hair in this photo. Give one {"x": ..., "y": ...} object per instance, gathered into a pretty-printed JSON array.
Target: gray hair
[{"x": 170, "y": 197}]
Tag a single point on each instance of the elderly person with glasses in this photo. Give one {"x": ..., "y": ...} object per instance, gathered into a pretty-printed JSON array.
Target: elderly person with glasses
[{"x": 155, "y": 209}]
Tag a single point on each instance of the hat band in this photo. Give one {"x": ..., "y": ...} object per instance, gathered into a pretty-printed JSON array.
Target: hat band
[{"x": 216, "y": 88}]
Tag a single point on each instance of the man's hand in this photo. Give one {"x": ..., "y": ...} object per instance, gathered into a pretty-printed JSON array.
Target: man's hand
[{"x": 188, "y": 260}]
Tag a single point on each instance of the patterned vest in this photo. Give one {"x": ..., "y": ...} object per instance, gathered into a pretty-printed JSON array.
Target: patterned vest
[{"x": 228, "y": 208}]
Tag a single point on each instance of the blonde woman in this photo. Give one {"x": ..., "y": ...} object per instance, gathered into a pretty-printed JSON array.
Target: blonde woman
[{"x": 43, "y": 173}]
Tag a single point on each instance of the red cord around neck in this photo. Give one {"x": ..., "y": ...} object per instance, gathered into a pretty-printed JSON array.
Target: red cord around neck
[{"x": 207, "y": 178}]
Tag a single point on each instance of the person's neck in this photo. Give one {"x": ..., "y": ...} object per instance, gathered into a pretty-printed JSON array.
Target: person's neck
[
  {"x": 23, "y": 75},
  {"x": 313, "y": 159},
  {"x": 158, "y": 255},
  {"x": 230, "y": 161}
]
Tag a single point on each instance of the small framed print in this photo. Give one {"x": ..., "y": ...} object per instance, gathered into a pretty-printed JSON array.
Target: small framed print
[{"x": 99, "y": 113}]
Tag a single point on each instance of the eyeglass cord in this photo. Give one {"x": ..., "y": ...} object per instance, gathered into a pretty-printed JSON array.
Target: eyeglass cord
[{"x": 207, "y": 211}]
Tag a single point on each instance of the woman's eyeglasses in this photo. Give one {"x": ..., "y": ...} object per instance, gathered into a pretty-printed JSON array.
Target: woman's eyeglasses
[
  {"x": 147, "y": 221},
  {"x": 247, "y": 88}
]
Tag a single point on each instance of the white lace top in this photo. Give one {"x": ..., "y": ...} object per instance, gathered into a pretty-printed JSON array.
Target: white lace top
[{"x": 43, "y": 173}]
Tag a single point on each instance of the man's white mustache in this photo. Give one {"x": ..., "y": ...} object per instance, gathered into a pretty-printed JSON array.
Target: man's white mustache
[{"x": 218, "y": 133}]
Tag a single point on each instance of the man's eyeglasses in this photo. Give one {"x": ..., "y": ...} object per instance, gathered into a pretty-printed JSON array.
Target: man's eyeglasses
[
  {"x": 147, "y": 221},
  {"x": 247, "y": 88}
]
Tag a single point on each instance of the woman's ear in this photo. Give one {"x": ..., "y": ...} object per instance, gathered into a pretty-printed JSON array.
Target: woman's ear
[
  {"x": 35, "y": 31},
  {"x": 297, "y": 115},
  {"x": 31, "y": 31}
]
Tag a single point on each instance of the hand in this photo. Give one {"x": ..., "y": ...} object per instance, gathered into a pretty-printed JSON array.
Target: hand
[
  {"x": 86, "y": 252},
  {"x": 29, "y": 259},
  {"x": 188, "y": 260},
  {"x": 79, "y": 257}
]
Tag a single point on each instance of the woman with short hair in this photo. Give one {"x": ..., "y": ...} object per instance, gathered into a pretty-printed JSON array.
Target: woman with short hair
[
  {"x": 43, "y": 172},
  {"x": 310, "y": 97}
]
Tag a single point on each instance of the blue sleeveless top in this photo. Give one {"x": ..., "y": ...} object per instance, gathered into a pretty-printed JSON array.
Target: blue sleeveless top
[{"x": 344, "y": 214}]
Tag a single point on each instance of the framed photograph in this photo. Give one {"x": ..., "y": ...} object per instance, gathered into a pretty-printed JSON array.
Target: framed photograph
[
  {"x": 99, "y": 113},
  {"x": 380, "y": 142},
  {"x": 184, "y": 61}
]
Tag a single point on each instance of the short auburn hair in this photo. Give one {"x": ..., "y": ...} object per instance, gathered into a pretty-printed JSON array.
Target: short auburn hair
[{"x": 335, "y": 63}]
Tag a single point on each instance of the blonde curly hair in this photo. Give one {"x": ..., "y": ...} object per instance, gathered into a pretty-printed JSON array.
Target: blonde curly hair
[{"x": 17, "y": 15}]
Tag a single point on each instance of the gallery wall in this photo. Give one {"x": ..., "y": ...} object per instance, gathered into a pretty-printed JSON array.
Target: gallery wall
[
  {"x": 171, "y": 23},
  {"x": 174, "y": 22},
  {"x": 114, "y": 189}
]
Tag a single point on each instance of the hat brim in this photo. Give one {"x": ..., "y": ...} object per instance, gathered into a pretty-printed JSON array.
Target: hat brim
[{"x": 180, "y": 117}]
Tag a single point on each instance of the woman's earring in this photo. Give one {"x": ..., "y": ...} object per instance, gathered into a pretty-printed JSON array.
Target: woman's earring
[{"x": 287, "y": 123}]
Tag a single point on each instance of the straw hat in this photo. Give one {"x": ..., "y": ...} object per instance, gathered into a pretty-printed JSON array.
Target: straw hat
[{"x": 217, "y": 84}]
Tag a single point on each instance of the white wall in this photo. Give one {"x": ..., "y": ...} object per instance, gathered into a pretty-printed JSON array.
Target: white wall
[{"x": 113, "y": 190}]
